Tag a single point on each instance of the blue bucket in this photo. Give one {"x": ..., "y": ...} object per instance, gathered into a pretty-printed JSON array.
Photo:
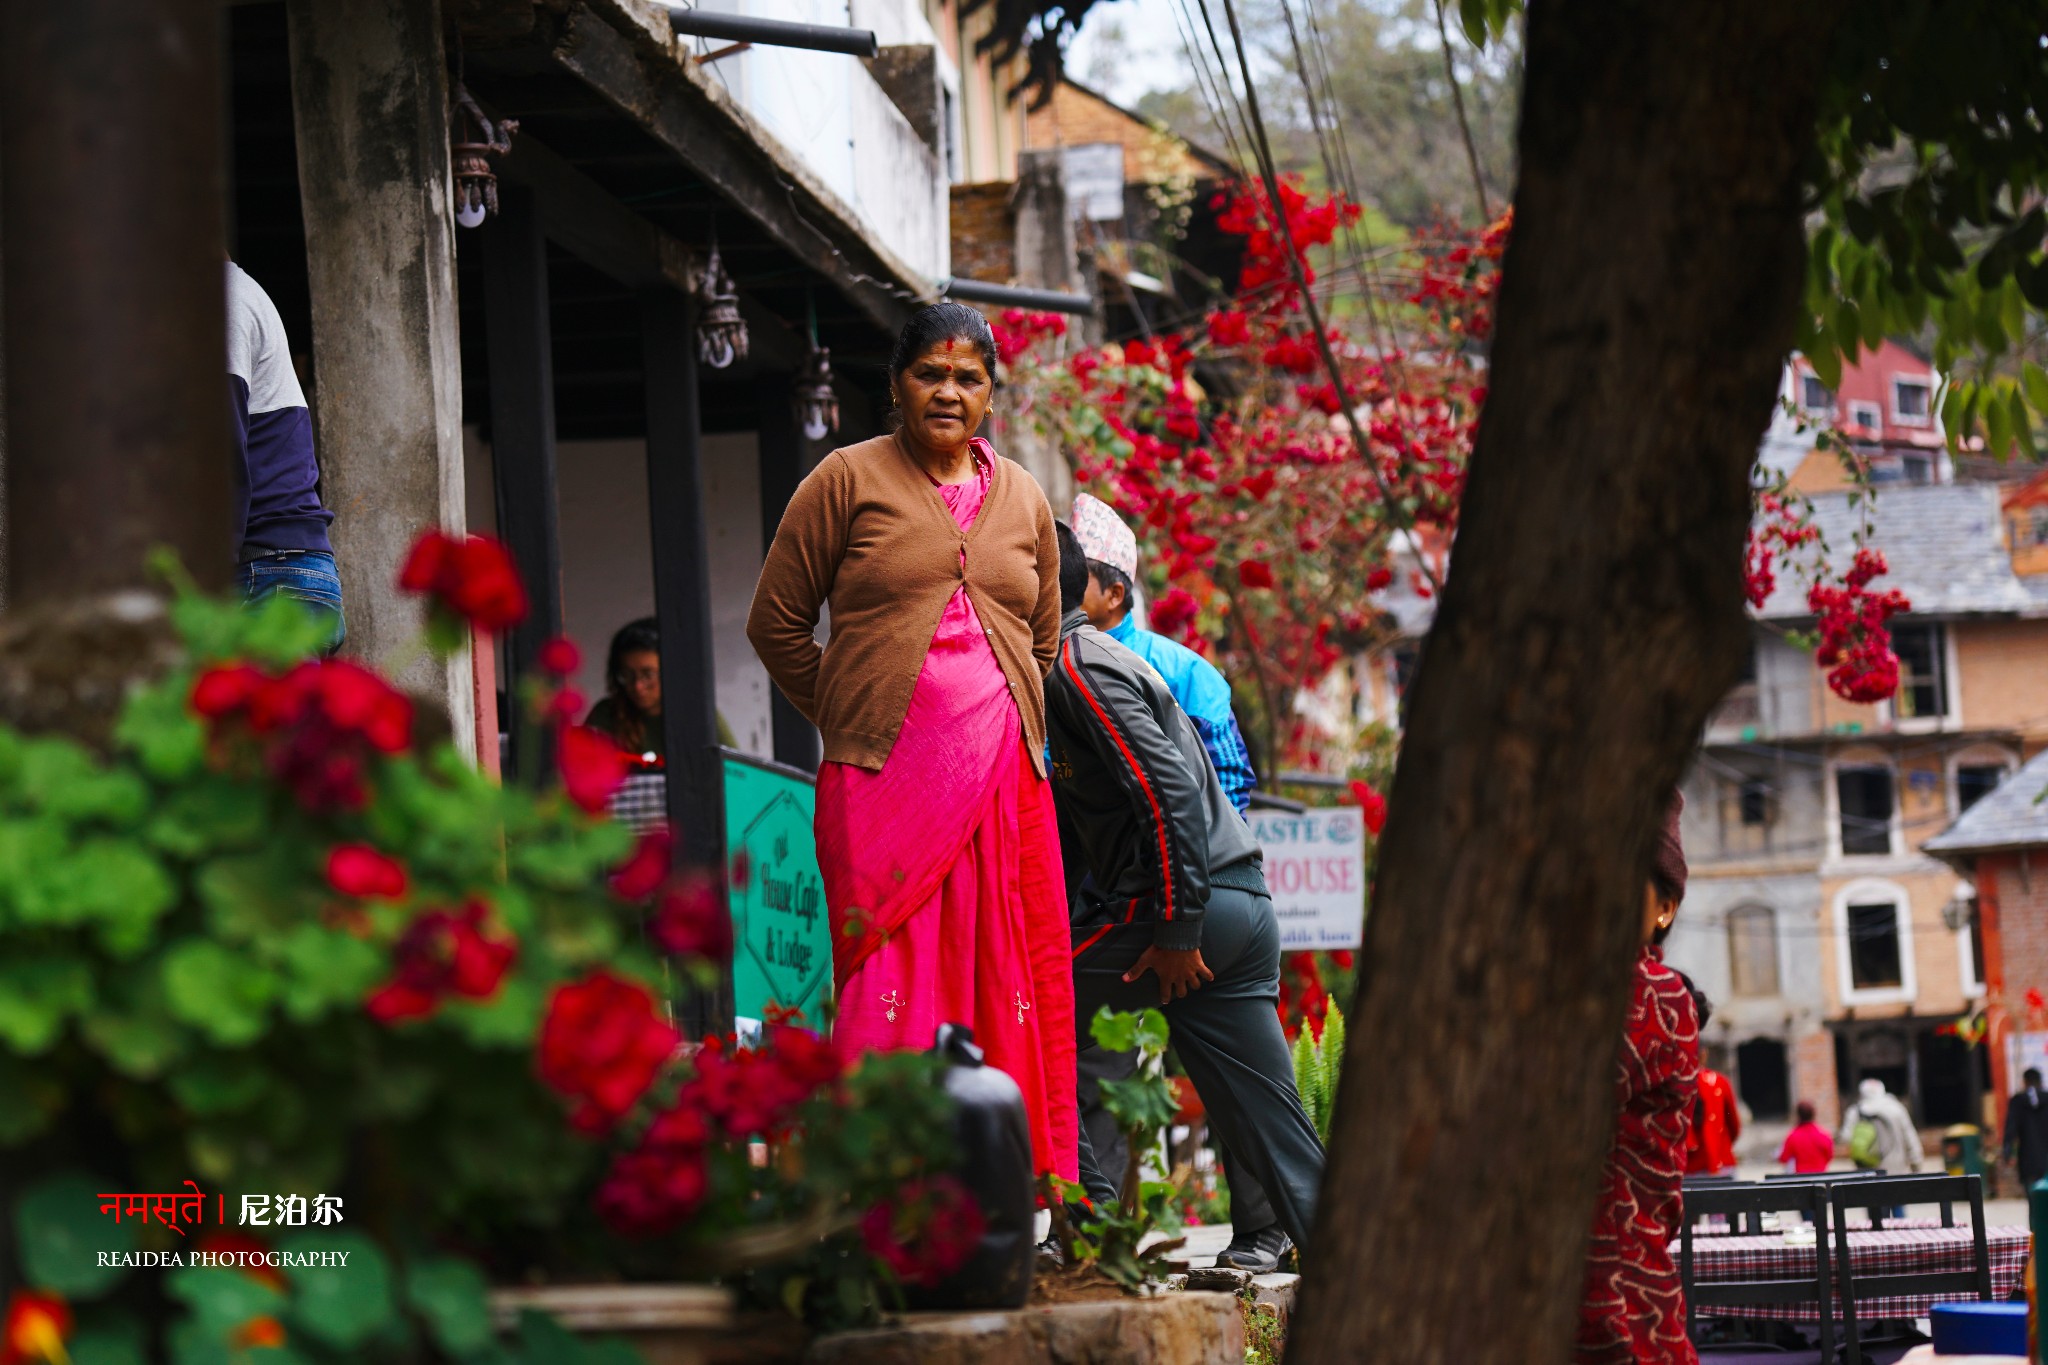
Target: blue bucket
[{"x": 1979, "y": 1329}]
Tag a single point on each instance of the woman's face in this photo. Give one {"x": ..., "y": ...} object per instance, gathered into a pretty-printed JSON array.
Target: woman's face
[
  {"x": 640, "y": 679},
  {"x": 1657, "y": 912},
  {"x": 944, "y": 394}
]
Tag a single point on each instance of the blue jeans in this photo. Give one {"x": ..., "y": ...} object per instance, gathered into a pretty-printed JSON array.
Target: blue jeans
[{"x": 307, "y": 576}]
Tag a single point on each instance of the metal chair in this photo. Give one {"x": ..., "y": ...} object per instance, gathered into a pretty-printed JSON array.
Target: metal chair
[
  {"x": 1749, "y": 1202},
  {"x": 1945, "y": 1190}
]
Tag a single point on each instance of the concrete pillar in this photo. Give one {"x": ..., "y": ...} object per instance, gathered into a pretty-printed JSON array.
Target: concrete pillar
[
  {"x": 117, "y": 389},
  {"x": 370, "y": 102},
  {"x": 1046, "y": 259}
]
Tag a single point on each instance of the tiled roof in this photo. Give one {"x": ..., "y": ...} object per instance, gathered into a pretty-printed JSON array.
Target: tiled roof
[
  {"x": 1942, "y": 542},
  {"x": 2011, "y": 817}
]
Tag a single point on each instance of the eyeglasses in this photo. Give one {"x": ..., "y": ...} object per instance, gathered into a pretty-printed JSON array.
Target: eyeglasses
[{"x": 640, "y": 675}]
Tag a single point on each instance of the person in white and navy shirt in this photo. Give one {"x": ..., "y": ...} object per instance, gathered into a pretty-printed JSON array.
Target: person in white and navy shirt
[{"x": 281, "y": 545}]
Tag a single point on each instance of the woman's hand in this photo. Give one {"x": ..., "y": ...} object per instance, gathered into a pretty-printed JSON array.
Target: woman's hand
[{"x": 1180, "y": 970}]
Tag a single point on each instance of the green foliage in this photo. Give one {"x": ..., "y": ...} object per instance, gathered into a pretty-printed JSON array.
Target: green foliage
[
  {"x": 59, "y": 1230},
  {"x": 1317, "y": 1065}
]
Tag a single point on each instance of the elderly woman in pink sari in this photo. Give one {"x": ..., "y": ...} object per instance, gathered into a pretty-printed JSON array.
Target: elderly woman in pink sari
[{"x": 936, "y": 832}]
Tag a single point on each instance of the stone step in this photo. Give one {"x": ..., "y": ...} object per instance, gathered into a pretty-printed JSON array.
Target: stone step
[{"x": 1168, "y": 1329}]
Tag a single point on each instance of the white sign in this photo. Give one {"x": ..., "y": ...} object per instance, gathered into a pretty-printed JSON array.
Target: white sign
[{"x": 1315, "y": 868}]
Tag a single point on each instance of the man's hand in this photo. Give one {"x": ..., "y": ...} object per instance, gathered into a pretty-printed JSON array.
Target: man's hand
[{"x": 1179, "y": 971}]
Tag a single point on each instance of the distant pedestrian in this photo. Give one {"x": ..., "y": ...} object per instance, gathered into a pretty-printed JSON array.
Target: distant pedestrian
[
  {"x": 1632, "y": 1308},
  {"x": 281, "y": 545},
  {"x": 1879, "y": 1133},
  {"x": 1717, "y": 1123},
  {"x": 1807, "y": 1149},
  {"x": 2026, "y": 1130}
]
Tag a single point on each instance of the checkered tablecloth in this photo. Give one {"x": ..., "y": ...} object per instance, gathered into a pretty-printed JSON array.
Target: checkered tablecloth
[
  {"x": 1892, "y": 1251},
  {"x": 1721, "y": 1227},
  {"x": 641, "y": 802}
]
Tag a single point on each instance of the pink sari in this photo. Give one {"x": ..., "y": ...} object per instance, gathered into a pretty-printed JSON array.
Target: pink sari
[{"x": 943, "y": 883}]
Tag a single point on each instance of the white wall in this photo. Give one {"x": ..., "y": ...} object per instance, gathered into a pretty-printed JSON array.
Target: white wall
[{"x": 608, "y": 559}]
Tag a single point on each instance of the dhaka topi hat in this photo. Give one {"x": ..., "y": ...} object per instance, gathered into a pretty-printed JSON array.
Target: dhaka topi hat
[{"x": 1103, "y": 535}]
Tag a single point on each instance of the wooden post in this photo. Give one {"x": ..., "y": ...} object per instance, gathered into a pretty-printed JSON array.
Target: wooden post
[
  {"x": 682, "y": 605},
  {"x": 523, "y": 433},
  {"x": 370, "y": 104},
  {"x": 116, "y": 296},
  {"x": 781, "y": 453}
]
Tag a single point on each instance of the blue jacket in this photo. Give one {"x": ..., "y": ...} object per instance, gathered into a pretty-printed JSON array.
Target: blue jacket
[{"x": 1205, "y": 696}]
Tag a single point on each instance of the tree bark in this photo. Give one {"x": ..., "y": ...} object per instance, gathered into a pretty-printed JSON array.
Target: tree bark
[{"x": 1592, "y": 617}]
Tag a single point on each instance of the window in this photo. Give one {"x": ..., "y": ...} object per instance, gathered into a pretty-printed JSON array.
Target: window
[
  {"x": 1875, "y": 959},
  {"x": 1912, "y": 402},
  {"x": 1923, "y": 690},
  {"x": 1864, "y": 800},
  {"x": 1814, "y": 395},
  {"x": 1095, "y": 180},
  {"x": 1918, "y": 468},
  {"x": 1753, "y": 950},
  {"x": 1869, "y": 415},
  {"x": 1755, "y": 801},
  {"x": 1975, "y": 781}
]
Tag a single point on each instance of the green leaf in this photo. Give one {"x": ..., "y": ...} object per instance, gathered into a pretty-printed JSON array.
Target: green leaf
[
  {"x": 451, "y": 1297},
  {"x": 325, "y": 968},
  {"x": 1826, "y": 359},
  {"x": 2035, "y": 381},
  {"x": 510, "y": 1018},
  {"x": 342, "y": 1306},
  {"x": 220, "y": 992},
  {"x": 117, "y": 883},
  {"x": 29, "y": 1099},
  {"x": 37, "y": 994},
  {"x": 1116, "y": 1030},
  {"x": 210, "y": 816},
  {"x": 61, "y": 1233},
  {"x": 118, "y": 1342},
  {"x": 221, "y": 1083},
  {"x": 1153, "y": 1033},
  {"x": 223, "y": 1298},
  {"x": 258, "y": 895},
  {"x": 160, "y": 730},
  {"x": 1472, "y": 18},
  {"x": 132, "y": 1026}
]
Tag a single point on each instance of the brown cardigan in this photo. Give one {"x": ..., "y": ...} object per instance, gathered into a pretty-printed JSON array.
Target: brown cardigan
[{"x": 868, "y": 534}]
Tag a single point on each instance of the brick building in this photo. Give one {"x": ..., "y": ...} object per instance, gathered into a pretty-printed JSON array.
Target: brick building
[
  {"x": 2001, "y": 845},
  {"x": 1836, "y": 945}
]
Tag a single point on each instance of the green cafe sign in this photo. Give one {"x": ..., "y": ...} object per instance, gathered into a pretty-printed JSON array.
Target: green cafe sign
[{"x": 782, "y": 944}]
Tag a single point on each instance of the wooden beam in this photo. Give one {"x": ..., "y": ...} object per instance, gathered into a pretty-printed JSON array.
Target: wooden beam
[
  {"x": 585, "y": 219},
  {"x": 522, "y": 378},
  {"x": 781, "y": 452},
  {"x": 682, "y": 606},
  {"x": 719, "y": 144}
]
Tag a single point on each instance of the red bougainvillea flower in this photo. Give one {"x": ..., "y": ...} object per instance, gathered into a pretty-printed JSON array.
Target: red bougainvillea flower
[
  {"x": 35, "y": 1329},
  {"x": 560, "y": 657},
  {"x": 1229, "y": 328},
  {"x": 601, "y": 1046},
  {"x": 592, "y": 766},
  {"x": 469, "y": 577},
  {"x": 647, "y": 867},
  {"x": 1174, "y": 613},
  {"x": 1372, "y": 803},
  {"x": 1855, "y": 643},
  {"x": 361, "y": 871},
  {"x": 1380, "y": 577},
  {"x": 442, "y": 953},
  {"x": 926, "y": 1231},
  {"x": 691, "y": 921},
  {"x": 1255, "y": 573}
]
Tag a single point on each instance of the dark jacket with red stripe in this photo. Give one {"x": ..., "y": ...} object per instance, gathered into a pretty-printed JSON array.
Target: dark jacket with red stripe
[{"x": 1141, "y": 811}]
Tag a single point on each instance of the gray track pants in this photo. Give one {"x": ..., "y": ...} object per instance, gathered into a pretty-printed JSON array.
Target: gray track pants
[{"x": 1228, "y": 1038}]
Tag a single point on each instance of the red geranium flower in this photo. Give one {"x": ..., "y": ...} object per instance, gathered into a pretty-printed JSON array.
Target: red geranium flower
[
  {"x": 560, "y": 657},
  {"x": 1254, "y": 573},
  {"x": 471, "y": 577},
  {"x": 643, "y": 872},
  {"x": 926, "y": 1231},
  {"x": 225, "y": 689},
  {"x": 601, "y": 1046},
  {"x": 692, "y": 921},
  {"x": 361, "y": 871},
  {"x": 592, "y": 766},
  {"x": 442, "y": 953}
]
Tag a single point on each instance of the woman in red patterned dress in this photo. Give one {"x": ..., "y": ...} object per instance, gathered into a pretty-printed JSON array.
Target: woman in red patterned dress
[{"x": 1633, "y": 1309}]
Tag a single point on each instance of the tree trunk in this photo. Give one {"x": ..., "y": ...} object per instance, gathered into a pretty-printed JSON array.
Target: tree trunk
[{"x": 1592, "y": 617}]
